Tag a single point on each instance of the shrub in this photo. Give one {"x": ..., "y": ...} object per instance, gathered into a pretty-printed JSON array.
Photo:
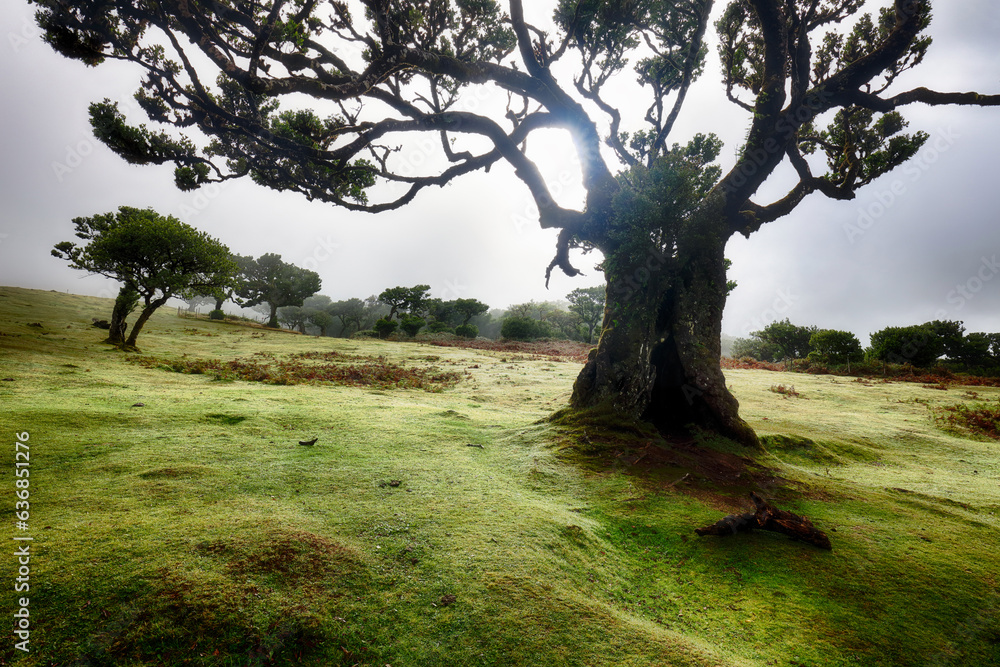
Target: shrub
[
  {"x": 439, "y": 327},
  {"x": 412, "y": 324},
  {"x": 789, "y": 340},
  {"x": 524, "y": 328},
  {"x": 916, "y": 345},
  {"x": 216, "y": 315},
  {"x": 369, "y": 333},
  {"x": 307, "y": 368},
  {"x": 835, "y": 347},
  {"x": 385, "y": 327},
  {"x": 467, "y": 331},
  {"x": 754, "y": 348},
  {"x": 981, "y": 418}
]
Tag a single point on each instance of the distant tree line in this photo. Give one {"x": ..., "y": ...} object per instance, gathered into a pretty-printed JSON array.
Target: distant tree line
[
  {"x": 156, "y": 258},
  {"x": 922, "y": 346},
  {"x": 408, "y": 311}
]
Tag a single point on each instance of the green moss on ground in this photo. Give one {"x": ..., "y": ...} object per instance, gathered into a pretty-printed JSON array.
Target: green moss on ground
[{"x": 194, "y": 529}]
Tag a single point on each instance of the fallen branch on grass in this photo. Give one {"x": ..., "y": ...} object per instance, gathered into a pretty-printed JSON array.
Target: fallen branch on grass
[{"x": 768, "y": 517}]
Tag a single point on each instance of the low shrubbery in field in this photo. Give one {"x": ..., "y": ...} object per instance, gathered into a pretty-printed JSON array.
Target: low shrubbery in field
[
  {"x": 371, "y": 372},
  {"x": 553, "y": 350},
  {"x": 787, "y": 392},
  {"x": 525, "y": 328},
  {"x": 938, "y": 377},
  {"x": 467, "y": 330},
  {"x": 980, "y": 418}
]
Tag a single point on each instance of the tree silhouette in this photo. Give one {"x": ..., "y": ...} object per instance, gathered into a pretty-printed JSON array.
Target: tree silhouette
[{"x": 587, "y": 303}]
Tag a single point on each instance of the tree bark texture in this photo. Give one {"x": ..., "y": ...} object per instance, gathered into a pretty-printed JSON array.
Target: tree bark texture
[
  {"x": 125, "y": 303},
  {"x": 659, "y": 352},
  {"x": 144, "y": 316}
]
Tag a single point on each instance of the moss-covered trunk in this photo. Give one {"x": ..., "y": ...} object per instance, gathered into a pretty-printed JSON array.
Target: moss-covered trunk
[
  {"x": 125, "y": 303},
  {"x": 147, "y": 312},
  {"x": 659, "y": 351}
]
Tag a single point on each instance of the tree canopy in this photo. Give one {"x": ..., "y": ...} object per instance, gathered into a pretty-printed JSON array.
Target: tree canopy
[
  {"x": 820, "y": 82},
  {"x": 835, "y": 347},
  {"x": 154, "y": 257},
  {"x": 405, "y": 300},
  {"x": 268, "y": 279}
]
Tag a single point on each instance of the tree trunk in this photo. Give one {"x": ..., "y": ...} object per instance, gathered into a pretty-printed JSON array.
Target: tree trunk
[
  {"x": 146, "y": 313},
  {"x": 658, "y": 356},
  {"x": 272, "y": 320},
  {"x": 125, "y": 303}
]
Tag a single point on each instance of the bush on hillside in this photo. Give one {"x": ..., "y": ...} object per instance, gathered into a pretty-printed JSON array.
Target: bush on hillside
[
  {"x": 438, "y": 326},
  {"x": 467, "y": 330},
  {"x": 385, "y": 327},
  {"x": 835, "y": 347},
  {"x": 412, "y": 324},
  {"x": 524, "y": 328}
]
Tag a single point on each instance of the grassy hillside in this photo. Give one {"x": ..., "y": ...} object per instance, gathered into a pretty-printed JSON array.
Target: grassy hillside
[{"x": 177, "y": 521}]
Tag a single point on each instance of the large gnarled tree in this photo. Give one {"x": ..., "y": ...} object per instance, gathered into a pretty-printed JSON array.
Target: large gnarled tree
[{"x": 810, "y": 89}]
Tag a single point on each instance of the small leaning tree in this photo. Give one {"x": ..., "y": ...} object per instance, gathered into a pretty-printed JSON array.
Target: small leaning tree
[
  {"x": 818, "y": 96},
  {"x": 154, "y": 257}
]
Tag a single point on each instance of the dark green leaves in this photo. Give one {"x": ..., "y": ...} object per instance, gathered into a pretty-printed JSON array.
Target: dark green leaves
[
  {"x": 136, "y": 145},
  {"x": 860, "y": 147},
  {"x": 655, "y": 204},
  {"x": 148, "y": 252},
  {"x": 840, "y": 50}
]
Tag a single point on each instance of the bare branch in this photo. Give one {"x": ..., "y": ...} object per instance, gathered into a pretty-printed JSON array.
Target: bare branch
[
  {"x": 524, "y": 40},
  {"x": 690, "y": 62},
  {"x": 922, "y": 95}
]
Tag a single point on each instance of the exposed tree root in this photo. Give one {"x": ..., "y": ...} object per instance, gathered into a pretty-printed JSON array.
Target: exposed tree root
[{"x": 768, "y": 517}]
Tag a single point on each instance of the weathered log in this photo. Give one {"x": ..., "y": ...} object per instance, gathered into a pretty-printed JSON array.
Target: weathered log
[{"x": 768, "y": 517}]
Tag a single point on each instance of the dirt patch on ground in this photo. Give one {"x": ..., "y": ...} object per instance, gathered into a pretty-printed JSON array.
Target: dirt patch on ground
[
  {"x": 294, "y": 555},
  {"x": 678, "y": 463},
  {"x": 721, "y": 480}
]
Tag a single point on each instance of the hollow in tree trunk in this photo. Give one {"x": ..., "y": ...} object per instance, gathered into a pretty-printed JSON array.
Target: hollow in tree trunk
[{"x": 658, "y": 356}]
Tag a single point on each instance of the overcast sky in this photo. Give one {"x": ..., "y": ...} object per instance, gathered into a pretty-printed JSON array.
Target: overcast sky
[{"x": 922, "y": 243}]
